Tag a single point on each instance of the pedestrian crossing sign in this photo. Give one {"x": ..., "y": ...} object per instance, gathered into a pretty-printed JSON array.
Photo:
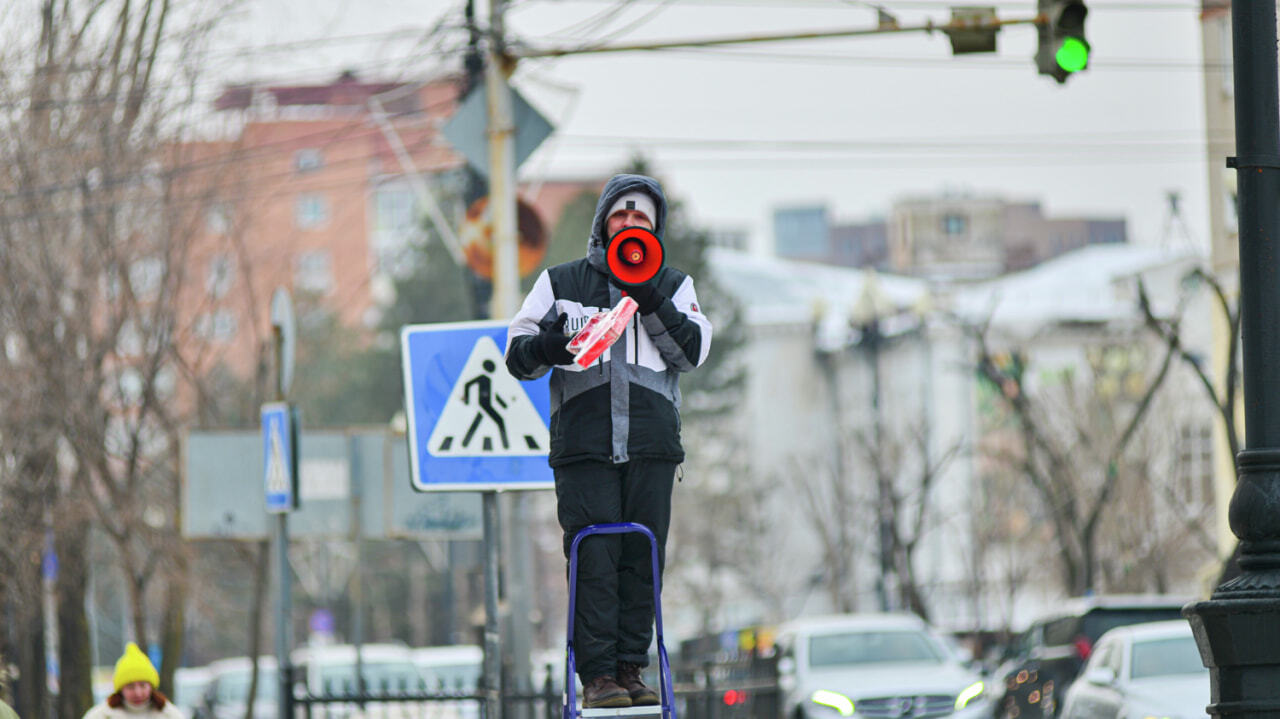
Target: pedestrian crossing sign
[
  {"x": 471, "y": 425},
  {"x": 279, "y": 466}
]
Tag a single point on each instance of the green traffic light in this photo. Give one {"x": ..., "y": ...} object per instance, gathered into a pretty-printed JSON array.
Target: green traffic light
[{"x": 1073, "y": 55}]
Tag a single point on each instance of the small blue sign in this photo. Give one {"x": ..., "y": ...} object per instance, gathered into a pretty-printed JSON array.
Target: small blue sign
[
  {"x": 472, "y": 426},
  {"x": 277, "y": 457}
]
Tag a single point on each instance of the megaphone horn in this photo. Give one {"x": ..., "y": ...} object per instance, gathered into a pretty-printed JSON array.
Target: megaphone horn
[{"x": 634, "y": 255}]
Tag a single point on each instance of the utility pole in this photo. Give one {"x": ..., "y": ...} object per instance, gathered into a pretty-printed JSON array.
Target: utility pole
[
  {"x": 502, "y": 191},
  {"x": 1238, "y": 629},
  {"x": 504, "y": 304}
]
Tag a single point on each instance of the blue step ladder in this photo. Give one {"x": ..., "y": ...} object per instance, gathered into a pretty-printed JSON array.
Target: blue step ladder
[{"x": 666, "y": 706}]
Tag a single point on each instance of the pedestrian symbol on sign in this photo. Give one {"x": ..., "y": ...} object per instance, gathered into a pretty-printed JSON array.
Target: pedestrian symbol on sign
[
  {"x": 277, "y": 472},
  {"x": 488, "y": 413}
]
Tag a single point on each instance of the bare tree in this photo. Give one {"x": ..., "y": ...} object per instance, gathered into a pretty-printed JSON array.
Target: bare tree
[
  {"x": 1225, "y": 395},
  {"x": 724, "y": 529},
  {"x": 1074, "y": 437},
  {"x": 96, "y": 224},
  {"x": 836, "y": 504},
  {"x": 907, "y": 470}
]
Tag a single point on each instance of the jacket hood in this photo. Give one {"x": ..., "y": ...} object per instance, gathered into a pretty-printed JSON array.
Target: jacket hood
[{"x": 613, "y": 189}]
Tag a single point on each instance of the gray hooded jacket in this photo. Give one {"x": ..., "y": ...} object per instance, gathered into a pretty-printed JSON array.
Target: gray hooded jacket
[{"x": 627, "y": 403}]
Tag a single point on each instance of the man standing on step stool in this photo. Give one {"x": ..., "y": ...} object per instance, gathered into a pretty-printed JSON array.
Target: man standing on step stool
[{"x": 615, "y": 432}]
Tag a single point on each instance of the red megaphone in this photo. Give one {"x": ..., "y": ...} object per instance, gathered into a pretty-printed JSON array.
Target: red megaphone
[{"x": 634, "y": 255}]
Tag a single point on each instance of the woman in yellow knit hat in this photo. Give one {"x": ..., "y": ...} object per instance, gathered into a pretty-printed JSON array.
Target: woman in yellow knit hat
[{"x": 136, "y": 692}]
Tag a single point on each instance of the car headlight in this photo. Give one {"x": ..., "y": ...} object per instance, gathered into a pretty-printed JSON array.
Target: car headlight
[
  {"x": 971, "y": 692},
  {"x": 833, "y": 700}
]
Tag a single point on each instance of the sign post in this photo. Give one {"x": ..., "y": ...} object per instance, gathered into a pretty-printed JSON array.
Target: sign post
[
  {"x": 474, "y": 427},
  {"x": 280, "y": 477}
]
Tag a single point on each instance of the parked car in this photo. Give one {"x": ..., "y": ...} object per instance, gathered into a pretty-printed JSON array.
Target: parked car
[
  {"x": 227, "y": 693},
  {"x": 1142, "y": 670},
  {"x": 873, "y": 665},
  {"x": 1044, "y": 660}
]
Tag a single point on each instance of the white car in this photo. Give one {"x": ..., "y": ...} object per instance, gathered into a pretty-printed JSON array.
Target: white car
[
  {"x": 189, "y": 684},
  {"x": 1142, "y": 670},
  {"x": 227, "y": 693},
  {"x": 865, "y": 666}
]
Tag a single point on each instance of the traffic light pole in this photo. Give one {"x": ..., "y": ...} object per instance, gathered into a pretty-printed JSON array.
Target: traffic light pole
[
  {"x": 1238, "y": 629},
  {"x": 957, "y": 25}
]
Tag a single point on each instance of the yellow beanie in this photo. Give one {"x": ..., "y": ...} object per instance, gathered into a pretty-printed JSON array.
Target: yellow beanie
[{"x": 135, "y": 667}]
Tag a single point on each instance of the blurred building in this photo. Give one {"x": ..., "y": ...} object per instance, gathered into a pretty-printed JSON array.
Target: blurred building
[
  {"x": 945, "y": 236},
  {"x": 1224, "y": 237},
  {"x": 320, "y": 189},
  {"x": 833, "y": 351}
]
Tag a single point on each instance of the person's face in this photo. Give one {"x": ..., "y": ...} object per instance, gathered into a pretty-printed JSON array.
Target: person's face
[
  {"x": 627, "y": 218},
  {"x": 136, "y": 693}
]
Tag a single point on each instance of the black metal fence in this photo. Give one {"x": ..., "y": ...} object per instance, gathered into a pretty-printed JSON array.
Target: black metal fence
[
  {"x": 401, "y": 701},
  {"x": 737, "y": 686},
  {"x": 741, "y": 687}
]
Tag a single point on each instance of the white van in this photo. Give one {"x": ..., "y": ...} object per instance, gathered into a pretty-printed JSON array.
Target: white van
[
  {"x": 454, "y": 669},
  {"x": 331, "y": 668}
]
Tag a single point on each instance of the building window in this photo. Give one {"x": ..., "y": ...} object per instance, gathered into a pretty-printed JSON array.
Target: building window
[
  {"x": 310, "y": 211},
  {"x": 308, "y": 159},
  {"x": 314, "y": 271},
  {"x": 217, "y": 220},
  {"x": 394, "y": 210},
  {"x": 953, "y": 224},
  {"x": 129, "y": 339},
  {"x": 1195, "y": 463},
  {"x": 219, "y": 326},
  {"x": 145, "y": 276},
  {"x": 220, "y": 277}
]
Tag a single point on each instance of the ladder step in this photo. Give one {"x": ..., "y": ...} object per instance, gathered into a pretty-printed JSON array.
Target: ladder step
[{"x": 644, "y": 711}]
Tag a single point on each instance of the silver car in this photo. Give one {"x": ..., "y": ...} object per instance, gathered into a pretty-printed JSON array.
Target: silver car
[
  {"x": 865, "y": 666},
  {"x": 1142, "y": 670}
]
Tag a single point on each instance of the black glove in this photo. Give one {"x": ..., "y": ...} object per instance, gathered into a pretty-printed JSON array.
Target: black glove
[
  {"x": 646, "y": 296},
  {"x": 551, "y": 343}
]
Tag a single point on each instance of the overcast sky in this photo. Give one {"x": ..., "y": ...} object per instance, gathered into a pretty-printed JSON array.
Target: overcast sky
[{"x": 848, "y": 123}]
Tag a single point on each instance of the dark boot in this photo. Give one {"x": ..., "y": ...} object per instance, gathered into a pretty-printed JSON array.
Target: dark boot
[
  {"x": 604, "y": 692},
  {"x": 629, "y": 679}
]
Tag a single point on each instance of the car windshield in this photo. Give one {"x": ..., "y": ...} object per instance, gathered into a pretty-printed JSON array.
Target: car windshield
[
  {"x": 1166, "y": 657},
  {"x": 831, "y": 650},
  {"x": 377, "y": 675}
]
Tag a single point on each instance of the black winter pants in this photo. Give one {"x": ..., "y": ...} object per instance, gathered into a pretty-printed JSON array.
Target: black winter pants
[{"x": 613, "y": 617}]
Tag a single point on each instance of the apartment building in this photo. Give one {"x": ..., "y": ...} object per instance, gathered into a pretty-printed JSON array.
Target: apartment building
[
  {"x": 319, "y": 189},
  {"x": 946, "y": 236}
]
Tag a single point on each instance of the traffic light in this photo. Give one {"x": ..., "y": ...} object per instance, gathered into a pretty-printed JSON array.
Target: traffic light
[{"x": 1063, "y": 50}]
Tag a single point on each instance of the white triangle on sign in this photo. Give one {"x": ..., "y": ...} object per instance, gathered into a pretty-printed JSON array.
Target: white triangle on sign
[
  {"x": 277, "y": 475},
  {"x": 488, "y": 413}
]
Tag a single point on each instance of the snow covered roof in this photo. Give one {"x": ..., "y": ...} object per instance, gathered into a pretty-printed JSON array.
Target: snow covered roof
[
  {"x": 775, "y": 291},
  {"x": 1085, "y": 285}
]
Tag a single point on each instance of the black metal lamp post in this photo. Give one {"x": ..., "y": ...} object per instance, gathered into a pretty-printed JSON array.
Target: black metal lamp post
[{"x": 1238, "y": 629}]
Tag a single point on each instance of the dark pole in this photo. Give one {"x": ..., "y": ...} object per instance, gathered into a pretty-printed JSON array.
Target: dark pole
[
  {"x": 884, "y": 513},
  {"x": 1238, "y": 629}
]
